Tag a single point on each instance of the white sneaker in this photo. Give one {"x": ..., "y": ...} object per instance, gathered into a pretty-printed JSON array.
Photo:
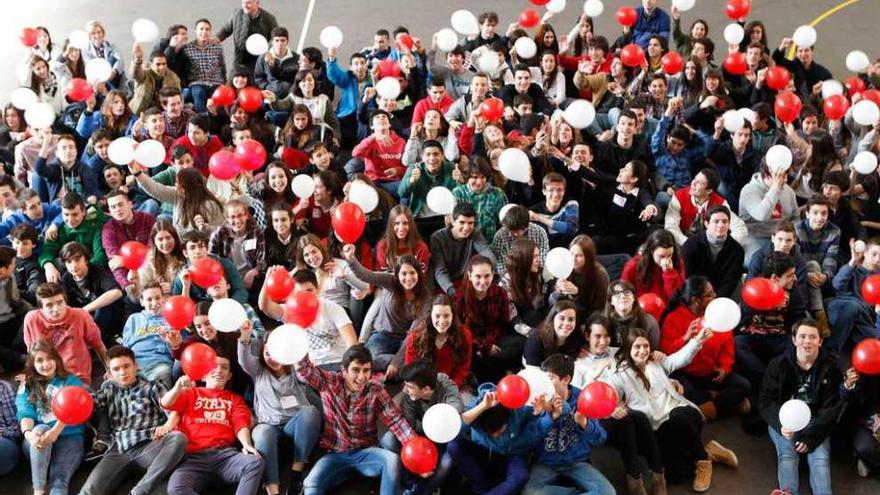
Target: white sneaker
[{"x": 863, "y": 469}]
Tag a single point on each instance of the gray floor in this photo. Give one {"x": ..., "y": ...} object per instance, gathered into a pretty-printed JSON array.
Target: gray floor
[{"x": 851, "y": 28}]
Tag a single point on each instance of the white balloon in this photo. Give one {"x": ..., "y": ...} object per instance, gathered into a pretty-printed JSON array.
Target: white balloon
[
  {"x": 748, "y": 114},
  {"x": 331, "y": 37},
  {"x": 150, "y": 153},
  {"x": 859, "y": 246},
  {"x": 857, "y": 61},
  {"x": 593, "y": 8},
  {"x": 778, "y": 157},
  {"x": 98, "y": 70},
  {"x": 831, "y": 87},
  {"x": 734, "y": 33},
  {"x": 388, "y": 88},
  {"x": 256, "y": 44},
  {"x": 227, "y": 315},
  {"x": 303, "y": 185},
  {"x": 503, "y": 211},
  {"x": 722, "y": 315},
  {"x": 559, "y": 262},
  {"x": 144, "y": 31},
  {"x": 363, "y": 195},
  {"x": 555, "y": 6},
  {"x": 865, "y": 112},
  {"x": 684, "y": 5},
  {"x": 40, "y": 115},
  {"x": 447, "y": 40},
  {"x": 804, "y": 36},
  {"x": 288, "y": 344},
  {"x": 440, "y": 200},
  {"x": 22, "y": 98},
  {"x": 515, "y": 164},
  {"x": 488, "y": 62},
  {"x": 465, "y": 22},
  {"x": 795, "y": 415},
  {"x": 525, "y": 47},
  {"x": 733, "y": 121},
  {"x": 539, "y": 383},
  {"x": 579, "y": 114},
  {"x": 121, "y": 150},
  {"x": 441, "y": 423},
  {"x": 865, "y": 162},
  {"x": 78, "y": 39}
]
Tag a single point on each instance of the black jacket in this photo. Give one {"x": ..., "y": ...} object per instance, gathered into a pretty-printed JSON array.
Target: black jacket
[
  {"x": 540, "y": 103},
  {"x": 724, "y": 273}
]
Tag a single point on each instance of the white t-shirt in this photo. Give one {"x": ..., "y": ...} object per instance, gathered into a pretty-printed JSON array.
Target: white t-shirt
[{"x": 325, "y": 342}]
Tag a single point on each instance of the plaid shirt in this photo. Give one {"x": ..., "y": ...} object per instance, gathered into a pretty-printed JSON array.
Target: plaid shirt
[
  {"x": 819, "y": 246},
  {"x": 177, "y": 127},
  {"x": 350, "y": 418},
  {"x": 205, "y": 63},
  {"x": 9, "y": 427},
  {"x": 488, "y": 318},
  {"x": 487, "y": 203},
  {"x": 503, "y": 241},
  {"x": 253, "y": 244},
  {"x": 134, "y": 411}
]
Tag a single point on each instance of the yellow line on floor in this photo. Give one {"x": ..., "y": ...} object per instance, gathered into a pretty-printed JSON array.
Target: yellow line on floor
[{"x": 821, "y": 17}]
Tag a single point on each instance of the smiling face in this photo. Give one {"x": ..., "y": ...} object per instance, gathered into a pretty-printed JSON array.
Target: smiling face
[
  {"x": 195, "y": 250},
  {"x": 817, "y": 216},
  {"x": 220, "y": 375},
  {"x": 564, "y": 323},
  {"x": 600, "y": 339},
  {"x": 718, "y": 225},
  {"x": 44, "y": 364},
  {"x": 807, "y": 340},
  {"x": 73, "y": 217},
  {"x": 277, "y": 179},
  {"x": 204, "y": 329},
  {"x": 356, "y": 375},
  {"x": 123, "y": 371},
  {"x": 640, "y": 351},
  {"x": 408, "y": 276},
  {"x": 441, "y": 318},
  {"x": 554, "y": 192},
  {"x": 480, "y": 277},
  {"x": 313, "y": 256},
  {"x": 281, "y": 222},
  {"x": 401, "y": 227},
  {"x": 164, "y": 242},
  {"x": 237, "y": 217},
  {"x": 462, "y": 227},
  {"x": 152, "y": 299},
  {"x": 622, "y": 300}
]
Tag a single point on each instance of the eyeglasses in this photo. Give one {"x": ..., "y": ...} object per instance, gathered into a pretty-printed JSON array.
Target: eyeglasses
[{"x": 621, "y": 293}]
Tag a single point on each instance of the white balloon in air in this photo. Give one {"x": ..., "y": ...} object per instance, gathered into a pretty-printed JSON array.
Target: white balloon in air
[
  {"x": 144, "y": 31},
  {"x": 447, "y": 40},
  {"x": 440, "y": 200},
  {"x": 288, "y": 344},
  {"x": 256, "y": 44},
  {"x": 722, "y": 315},
  {"x": 441, "y": 423},
  {"x": 778, "y": 157},
  {"x": 733, "y": 121},
  {"x": 804, "y": 36},
  {"x": 78, "y": 39},
  {"x": 865, "y": 162},
  {"x": 555, "y": 6},
  {"x": 831, "y": 87},
  {"x": 865, "y": 112},
  {"x": 121, "y": 150},
  {"x": 515, "y": 165},
  {"x": 857, "y": 61},
  {"x": 560, "y": 262},
  {"x": 593, "y": 8},
  {"x": 579, "y": 114},
  {"x": 525, "y": 47},
  {"x": 227, "y": 315},
  {"x": 98, "y": 70},
  {"x": 539, "y": 383},
  {"x": 734, "y": 33},
  {"x": 150, "y": 153},
  {"x": 331, "y": 37},
  {"x": 795, "y": 415},
  {"x": 465, "y": 22},
  {"x": 488, "y": 62},
  {"x": 684, "y": 5},
  {"x": 40, "y": 115},
  {"x": 22, "y": 98},
  {"x": 388, "y": 88},
  {"x": 363, "y": 195},
  {"x": 303, "y": 185}
]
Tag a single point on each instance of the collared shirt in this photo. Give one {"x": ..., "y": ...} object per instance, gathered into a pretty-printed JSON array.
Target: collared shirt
[
  {"x": 134, "y": 411},
  {"x": 177, "y": 127},
  {"x": 252, "y": 246},
  {"x": 9, "y": 427},
  {"x": 206, "y": 65},
  {"x": 504, "y": 240}
]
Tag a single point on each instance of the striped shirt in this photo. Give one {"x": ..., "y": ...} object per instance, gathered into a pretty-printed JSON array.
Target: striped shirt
[{"x": 134, "y": 411}]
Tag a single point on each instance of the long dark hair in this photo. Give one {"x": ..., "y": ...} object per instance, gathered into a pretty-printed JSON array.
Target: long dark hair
[
  {"x": 196, "y": 194},
  {"x": 269, "y": 195},
  {"x": 693, "y": 287},
  {"x": 424, "y": 334},
  {"x": 692, "y": 88},
  {"x": 420, "y": 291},
  {"x": 524, "y": 285},
  {"x": 468, "y": 292},
  {"x": 592, "y": 289},
  {"x": 394, "y": 245},
  {"x": 624, "y": 355},
  {"x": 547, "y": 330},
  {"x": 293, "y": 137},
  {"x": 35, "y": 382},
  {"x": 822, "y": 157},
  {"x": 160, "y": 260},
  {"x": 78, "y": 68},
  {"x": 658, "y": 239}
]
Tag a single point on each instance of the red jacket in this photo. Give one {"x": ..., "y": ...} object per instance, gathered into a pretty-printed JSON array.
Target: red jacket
[
  {"x": 689, "y": 210},
  {"x": 662, "y": 283},
  {"x": 444, "y": 359},
  {"x": 210, "y": 418},
  {"x": 426, "y": 104},
  {"x": 200, "y": 154},
  {"x": 717, "y": 352},
  {"x": 378, "y": 157}
]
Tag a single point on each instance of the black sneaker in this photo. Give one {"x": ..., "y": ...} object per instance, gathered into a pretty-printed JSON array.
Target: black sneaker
[
  {"x": 294, "y": 488},
  {"x": 99, "y": 448}
]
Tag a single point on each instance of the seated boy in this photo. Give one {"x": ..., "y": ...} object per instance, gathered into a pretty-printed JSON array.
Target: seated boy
[
  {"x": 819, "y": 240},
  {"x": 195, "y": 247},
  {"x": 81, "y": 224},
  {"x": 12, "y": 311},
  {"x": 144, "y": 332},
  {"x": 560, "y": 218},
  {"x": 241, "y": 241},
  {"x": 92, "y": 288},
  {"x": 28, "y": 274}
]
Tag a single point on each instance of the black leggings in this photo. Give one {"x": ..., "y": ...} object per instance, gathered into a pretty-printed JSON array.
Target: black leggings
[
  {"x": 632, "y": 436},
  {"x": 493, "y": 368},
  {"x": 681, "y": 443},
  {"x": 731, "y": 391}
]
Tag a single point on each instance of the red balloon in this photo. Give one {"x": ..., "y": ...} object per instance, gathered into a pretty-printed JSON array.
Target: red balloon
[
  {"x": 206, "y": 272},
  {"x": 652, "y": 304},
  {"x": 133, "y": 254},
  {"x": 492, "y": 109},
  {"x": 197, "y": 360},
  {"x": 223, "y": 165},
  {"x": 539, "y": 2},
  {"x": 763, "y": 294},
  {"x": 778, "y": 77},
  {"x": 854, "y": 85},
  {"x": 529, "y": 18},
  {"x": 348, "y": 222},
  {"x": 419, "y": 455},
  {"x": 405, "y": 40},
  {"x": 223, "y": 96},
  {"x": 250, "y": 99},
  {"x": 872, "y": 94},
  {"x": 29, "y": 37},
  {"x": 866, "y": 357},
  {"x": 597, "y": 400},
  {"x": 835, "y": 107},
  {"x": 302, "y": 309},
  {"x": 79, "y": 90},
  {"x": 388, "y": 68},
  {"x": 736, "y": 64},
  {"x": 279, "y": 285},
  {"x": 250, "y": 154},
  {"x": 672, "y": 63},
  {"x": 787, "y": 106},
  {"x": 179, "y": 311},
  {"x": 632, "y": 55},
  {"x": 737, "y": 9},
  {"x": 871, "y": 290},
  {"x": 626, "y": 16},
  {"x": 513, "y": 391},
  {"x": 72, "y": 405}
]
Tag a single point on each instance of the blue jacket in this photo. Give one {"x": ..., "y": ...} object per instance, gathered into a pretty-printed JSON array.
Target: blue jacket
[
  {"x": 43, "y": 415},
  {"x": 849, "y": 279},
  {"x": 90, "y": 122},
  {"x": 348, "y": 87},
  {"x": 566, "y": 442},
  {"x": 141, "y": 335},
  {"x": 51, "y": 212},
  {"x": 524, "y": 430},
  {"x": 80, "y": 179},
  {"x": 676, "y": 169},
  {"x": 646, "y": 26}
]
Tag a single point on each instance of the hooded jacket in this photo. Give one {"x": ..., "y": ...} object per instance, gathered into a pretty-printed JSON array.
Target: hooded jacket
[
  {"x": 524, "y": 430},
  {"x": 566, "y": 442},
  {"x": 763, "y": 208}
]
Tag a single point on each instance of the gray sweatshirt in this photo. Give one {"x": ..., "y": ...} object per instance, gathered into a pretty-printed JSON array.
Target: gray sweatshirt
[
  {"x": 450, "y": 256},
  {"x": 757, "y": 203},
  {"x": 445, "y": 393}
]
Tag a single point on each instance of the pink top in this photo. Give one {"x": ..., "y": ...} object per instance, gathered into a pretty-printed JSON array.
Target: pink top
[{"x": 71, "y": 336}]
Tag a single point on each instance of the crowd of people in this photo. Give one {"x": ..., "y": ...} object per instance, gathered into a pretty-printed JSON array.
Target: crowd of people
[{"x": 656, "y": 196}]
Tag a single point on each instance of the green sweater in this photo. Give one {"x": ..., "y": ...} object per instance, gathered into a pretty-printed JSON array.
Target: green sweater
[
  {"x": 167, "y": 177},
  {"x": 418, "y": 192},
  {"x": 88, "y": 233},
  {"x": 487, "y": 203}
]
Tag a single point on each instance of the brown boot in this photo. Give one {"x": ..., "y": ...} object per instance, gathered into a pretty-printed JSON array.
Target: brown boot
[
  {"x": 709, "y": 411},
  {"x": 703, "y": 476},
  {"x": 744, "y": 407},
  {"x": 634, "y": 486},
  {"x": 824, "y": 325},
  {"x": 658, "y": 484},
  {"x": 720, "y": 453}
]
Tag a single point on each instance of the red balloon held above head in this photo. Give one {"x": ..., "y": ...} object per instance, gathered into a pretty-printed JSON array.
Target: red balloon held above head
[
  {"x": 871, "y": 290},
  {"x": 763, "y": 294},
  {"x": 179, "y": 311},
  {"x": 854, "y": 85},
  {"x": 597, "y": 400},
  {"x": 787, "y": 106},
  {"x": 777, "y": 77},
  {"x": 223, "y": 165},
  {"x": 206, "y": 272},
  {"x": 250, "y": 154},
  {"x": 513, "y": 391},
  {"x": 529, "y": 18},
  {"x": 652, "y": 304},
  {"x": 388, "y": 68},
  {"x": 835, "y": 107},
  {"x": 197, "y": 360},
  {"x": 872, "y": 95},
  {"x": 419, "y": 455},
  {"x": 302, "y": 309},
  {"x": 866, "y": 357},
  {"x": 348, "y": 222},
  {"x": 736, "y": 64},
  {"x": 133, "y": 254},
  {"x": 492, "y": 109},
  {"x": 672, "y": 63},
  {"x": 632, "y": 55},
  {"x": 78, "y": 89},
  {"x": 737, "y": 9},
  {"x": 72, "y": 405},
  {"x": 250, "y": 99},
  {"x": 29, "y": 37},
  {"x": 279, "y": 285},
  {"x": 405, "y": 40},
  {"x": 223, "y": 96},
  {"x": 626, "y": 16}
]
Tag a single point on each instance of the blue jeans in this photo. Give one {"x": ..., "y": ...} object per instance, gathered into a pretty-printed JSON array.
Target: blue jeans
[
  {"x": 160, "y": 372},
  {"x": 754, "y": 352},
  {"x": 8, "y": 456},
  {"x": 150, "y": 206},
  {"x": 489, "y": 473},
  {"x": 586, "y": 479},
  {"x": 63, "y": 457},
  {"x": 788, "y": 459},
  {"x": 417, "y": 485},
  {"x": 200, "y": 94},
  {"x": 383, "y": 346},
  {"x": 336, "y": 467},
  {"x": 303, "y": 430},
  {"x": 390, "y": 187}
]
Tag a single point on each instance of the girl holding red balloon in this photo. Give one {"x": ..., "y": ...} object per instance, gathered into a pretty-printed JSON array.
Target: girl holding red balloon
[
  {"x": 336, "y": 279},
  {"x": 55, "y": 449}
]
